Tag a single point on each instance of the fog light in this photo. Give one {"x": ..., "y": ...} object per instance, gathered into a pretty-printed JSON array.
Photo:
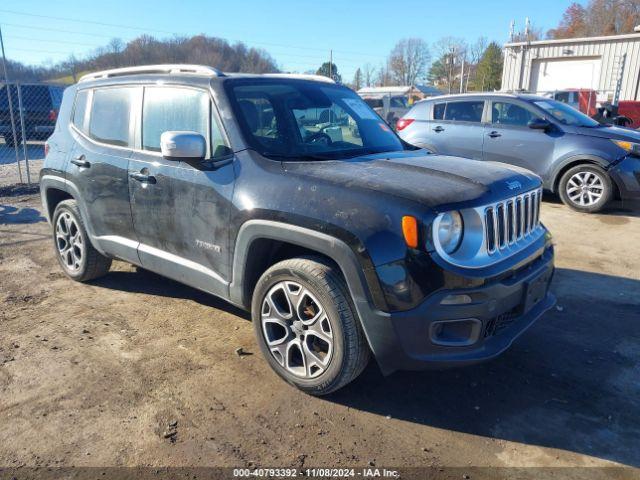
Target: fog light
[
  {"x": 456, "y": 300},
  {"x": 455, "y": 333}
]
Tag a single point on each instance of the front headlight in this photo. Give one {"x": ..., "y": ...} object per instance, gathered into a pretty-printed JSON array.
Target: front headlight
[
  {"x": 448, "y": 231},
  {"x": 629, "y": 147}
]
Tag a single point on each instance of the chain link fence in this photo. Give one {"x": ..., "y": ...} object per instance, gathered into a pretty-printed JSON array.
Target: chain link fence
[{"x": 28, "y": 113}]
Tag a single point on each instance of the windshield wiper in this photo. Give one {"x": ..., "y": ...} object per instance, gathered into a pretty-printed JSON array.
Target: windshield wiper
[{"x": 301, "y": 156}]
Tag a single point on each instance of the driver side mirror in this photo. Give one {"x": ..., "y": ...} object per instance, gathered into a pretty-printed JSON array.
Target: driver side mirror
[
  {"x": 539, "y": 124},
  {"x": 183, "y": 145}
]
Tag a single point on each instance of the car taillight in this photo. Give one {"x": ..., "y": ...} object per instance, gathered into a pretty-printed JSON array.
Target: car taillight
[
  {"x": 46, "y": 148},
  {"x": 53, "y": 115},
  {"x": 403, "y": 123}
]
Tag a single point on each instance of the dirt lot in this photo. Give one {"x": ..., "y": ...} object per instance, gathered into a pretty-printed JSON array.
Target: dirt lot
[{"x": 93, "y": 375}]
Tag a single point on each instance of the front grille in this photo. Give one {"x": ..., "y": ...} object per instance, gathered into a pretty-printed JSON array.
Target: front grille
[
  {"x": 509, "y": 221},
  {"x": 497, "y": 324}
]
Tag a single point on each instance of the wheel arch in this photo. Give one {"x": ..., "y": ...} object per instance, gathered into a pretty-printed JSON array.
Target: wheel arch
[
  {"x": 561, "y": 169},
  {"x": 260, "y": 243}
]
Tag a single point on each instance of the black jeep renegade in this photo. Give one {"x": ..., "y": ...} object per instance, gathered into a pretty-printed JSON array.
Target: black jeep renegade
[{"x": 288, "y": 196}]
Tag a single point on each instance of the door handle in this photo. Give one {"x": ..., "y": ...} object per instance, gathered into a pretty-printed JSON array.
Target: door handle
[
  {"x": 494, "y": 134},
  {"x": 80, "y": 161},
  {"x": 438, "y": 129},
  {"x": 143, "y": 178}
]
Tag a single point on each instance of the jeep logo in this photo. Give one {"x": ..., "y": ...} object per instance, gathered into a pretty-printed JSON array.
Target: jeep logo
[{"x": 514, "y": 185}]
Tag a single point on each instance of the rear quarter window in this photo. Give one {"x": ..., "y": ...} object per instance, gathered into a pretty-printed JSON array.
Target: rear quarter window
[{"x": 80, "y": 110}]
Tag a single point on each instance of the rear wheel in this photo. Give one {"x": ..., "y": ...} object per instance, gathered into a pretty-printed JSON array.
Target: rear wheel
[
  {"x": 307, "y": 327},
  {"x": 75, "y": 254},
  {"x": 586, "y": 188}
]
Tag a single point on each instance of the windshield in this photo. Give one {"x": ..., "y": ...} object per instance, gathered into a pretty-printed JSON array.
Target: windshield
[
  {"x": 565, "y": 114},
  {"x": 297, "y": 120}
]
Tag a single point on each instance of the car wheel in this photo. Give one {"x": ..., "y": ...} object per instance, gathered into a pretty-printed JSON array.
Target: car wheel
[
  {"x": 586, "y": 188},
  {"x": 307, "y": 327},
  {"x": 77, "y": 257}
]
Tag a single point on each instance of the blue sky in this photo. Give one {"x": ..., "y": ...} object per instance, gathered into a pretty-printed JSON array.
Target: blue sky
[{"x": 298, "y": 34}]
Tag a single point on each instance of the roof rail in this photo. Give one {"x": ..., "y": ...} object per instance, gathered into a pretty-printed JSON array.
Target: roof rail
[
  {"x": 117, "y": 72},
  {"x": 301, "y": 76}
]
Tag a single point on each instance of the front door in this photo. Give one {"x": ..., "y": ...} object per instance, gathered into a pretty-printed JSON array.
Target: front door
[
  {"x": 508, "y": 138},
  {"x": 181, "y": 208}
]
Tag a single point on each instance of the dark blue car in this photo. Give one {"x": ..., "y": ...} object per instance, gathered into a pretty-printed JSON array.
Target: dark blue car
[{"x": 586, "y": 163}]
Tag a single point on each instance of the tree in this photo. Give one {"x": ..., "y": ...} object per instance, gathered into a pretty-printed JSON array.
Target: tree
[
  {"x": 598, "y": 17},
  {"x": 329, "y": 70},
  {"x": 573, "y": 23},
  {"x": 451, "y": 53},
  {"x": 408, "y": 61},
  {"x": 357, "y": 80},
  {"x": 489, "y": 72},
  {"x": 369, "y": 73}
]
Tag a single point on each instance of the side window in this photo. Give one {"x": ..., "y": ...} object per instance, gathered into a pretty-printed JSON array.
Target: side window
[
  {"x": 399, "y": 102},
  {"x": 438, "y": 111},
  {"x": 465, "y": 111},
  {"x": 110, "y": 111},
  {"x": 80, "y": 110},
  {"x": 169, "y": 108},
  {"x": 506, "y": 113}
]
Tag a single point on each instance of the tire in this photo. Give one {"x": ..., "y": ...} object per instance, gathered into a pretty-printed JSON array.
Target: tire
[
  {"x": 314, "y": 292},
  {"x": 74, "y": 251},
  {"x": 586, "y": 188}
]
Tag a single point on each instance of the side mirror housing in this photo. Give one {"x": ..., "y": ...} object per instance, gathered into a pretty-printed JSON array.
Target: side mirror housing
[
  {"x": 183, "y": 145},
  {"x": 539, "y": 124}
]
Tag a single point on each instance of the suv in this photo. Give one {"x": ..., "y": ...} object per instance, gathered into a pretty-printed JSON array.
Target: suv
[
  {"x": 38, "y": 104},
  {"x": 339, "y": 245},
  {"x": 586, "y": 162}
]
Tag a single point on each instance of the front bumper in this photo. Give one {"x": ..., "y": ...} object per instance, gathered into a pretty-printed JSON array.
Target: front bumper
[
  {"x": 437, "y": 335},
  {"x": 626, "y": 174}
]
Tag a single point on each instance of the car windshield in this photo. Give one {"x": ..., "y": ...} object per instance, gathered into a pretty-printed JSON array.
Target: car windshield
[
  {"x": 565, "y": 114},
  {"x": 298, "y": 120}
]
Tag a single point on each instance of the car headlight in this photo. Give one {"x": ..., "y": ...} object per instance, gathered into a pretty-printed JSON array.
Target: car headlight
[
  {"x": 629, "y": 147},
  {"x": 448, "y": 231}
]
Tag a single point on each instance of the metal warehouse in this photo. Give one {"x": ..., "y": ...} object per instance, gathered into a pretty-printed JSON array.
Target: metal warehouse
[{"x": 603, "y": 64}]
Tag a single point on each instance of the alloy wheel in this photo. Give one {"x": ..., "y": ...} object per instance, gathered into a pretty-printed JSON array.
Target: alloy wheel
[
  {"x": 297, "y": 330},
  {"x": 585, "y": 188},
  {"x": 69, "y": 242}
]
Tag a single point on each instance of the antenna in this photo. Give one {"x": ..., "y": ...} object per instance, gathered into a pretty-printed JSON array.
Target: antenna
[
  {"x": 527, "y": 28},
  {"x": 512, "y": 28}
]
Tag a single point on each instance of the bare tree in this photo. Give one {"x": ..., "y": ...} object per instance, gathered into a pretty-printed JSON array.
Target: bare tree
[
  {"x": 409, "y": 60},
  {"x": 451, "y": 52},
  {"x": 369, "y": 73}
]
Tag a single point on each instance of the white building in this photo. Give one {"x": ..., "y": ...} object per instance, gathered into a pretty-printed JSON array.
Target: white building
[{"x": 577, "y": 63}]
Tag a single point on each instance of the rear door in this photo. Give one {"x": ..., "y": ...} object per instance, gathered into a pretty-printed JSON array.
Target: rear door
[
  {"x": 508, "y": 138},
  {"x": 103, "y": 133},
  {"x": 457, "y": 129},
  {"x": 181, "y": 208}
]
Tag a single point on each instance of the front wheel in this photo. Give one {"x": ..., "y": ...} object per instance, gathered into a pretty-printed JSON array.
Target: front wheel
[
  {"x": 586, "y": 188},
  {"x": 307, "y": 327}
]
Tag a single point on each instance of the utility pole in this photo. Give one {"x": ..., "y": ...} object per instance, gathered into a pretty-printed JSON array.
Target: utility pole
[
  {"x": 331, "y": 64},
  {"x": 462, "y": 75},
  {"x": 13, "y": 122}
]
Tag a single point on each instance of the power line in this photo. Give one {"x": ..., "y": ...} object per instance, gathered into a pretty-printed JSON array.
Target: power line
[
  {"x": 49, "y": 29},
  {"x": 16, "y": 37},
  {"x": 104, "y": 24},
  {"x": 131, "y": 27}
]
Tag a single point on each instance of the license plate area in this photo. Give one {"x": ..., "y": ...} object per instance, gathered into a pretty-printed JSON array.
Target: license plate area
[{"x": 535, "y": 290}]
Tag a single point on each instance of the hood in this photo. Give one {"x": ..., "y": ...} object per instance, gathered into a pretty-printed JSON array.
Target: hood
[
  {"x": 616, "y": 133},
  {"x": 434, "y": 181}
]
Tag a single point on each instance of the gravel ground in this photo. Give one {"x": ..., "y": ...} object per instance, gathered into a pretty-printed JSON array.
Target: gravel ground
[{"x": 137, "y": 370}]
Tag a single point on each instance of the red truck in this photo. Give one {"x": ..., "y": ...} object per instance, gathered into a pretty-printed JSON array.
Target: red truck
[{"x": 586, "y": 101}]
